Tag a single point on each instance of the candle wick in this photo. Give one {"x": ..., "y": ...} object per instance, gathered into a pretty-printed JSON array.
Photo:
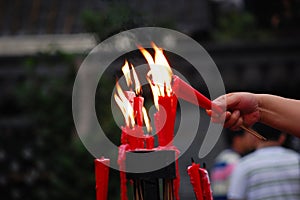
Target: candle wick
[{"x": 192, "y": 159}]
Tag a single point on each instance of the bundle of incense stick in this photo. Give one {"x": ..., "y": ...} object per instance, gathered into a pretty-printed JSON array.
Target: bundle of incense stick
[
  {"x": 138, "y": 192},
  {"x": 168, "y": 189}
]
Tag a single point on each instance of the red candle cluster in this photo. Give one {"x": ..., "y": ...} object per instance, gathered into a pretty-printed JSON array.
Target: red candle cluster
[
  {"x": 166, "y": 89},
  {"x": 200, "y": 181}
]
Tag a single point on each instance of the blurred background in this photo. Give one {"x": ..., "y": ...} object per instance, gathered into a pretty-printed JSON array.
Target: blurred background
[{"x": 255, "y": 44}]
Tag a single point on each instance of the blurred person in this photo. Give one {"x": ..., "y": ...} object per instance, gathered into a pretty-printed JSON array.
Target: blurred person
[
  {"x": 270, "y": 172},
  {"x": 245, "y": 108},
  {"x": 239, "y": 144}
]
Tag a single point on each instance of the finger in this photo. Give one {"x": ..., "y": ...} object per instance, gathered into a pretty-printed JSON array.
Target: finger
[
  {"x": 232, "y": 119},
  {"x": 220, "y": 118},
  {"x": 232, "y": 100},
  {"x": 237, "y": 125},
  {"x": 219, "y": 104}
]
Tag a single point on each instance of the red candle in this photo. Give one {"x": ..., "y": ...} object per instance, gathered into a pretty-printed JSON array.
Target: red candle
[
  {"x": 193, "y": 172},
  {"x": 188, "y": 93},
  {"x": 102, "y": 174},
  {"x": 205, "y": 182},
  {"x": 149, "y": 141},
  {"x": 165, "y": 119},
  {"x": 138, "y": 103}
]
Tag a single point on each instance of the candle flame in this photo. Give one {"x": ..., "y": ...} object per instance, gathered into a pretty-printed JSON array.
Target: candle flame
[
  {"x": 124, "y": 106},
  {"x": 127, "y": 73},
  {"x": 160, "y": 74},
  {"x": 146, "y": 120},
  {"x": 136, "y": 81}
]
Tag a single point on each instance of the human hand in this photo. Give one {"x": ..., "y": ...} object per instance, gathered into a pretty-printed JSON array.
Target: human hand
[{"x": 241, "y": 109}]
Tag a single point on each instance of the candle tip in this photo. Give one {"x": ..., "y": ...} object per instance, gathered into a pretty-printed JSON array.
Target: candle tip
[{"x": 192, "y": 159}]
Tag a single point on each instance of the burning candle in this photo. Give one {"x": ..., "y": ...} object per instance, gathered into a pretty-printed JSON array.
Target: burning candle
[
  {"x": 149, "y": 139},
  {"x": 195, "y": 180},
  {"x": 138, "y": 103},
  {"x": 102, "y": 174},
  {"x": 138, "y": 113},
  {"x": 164, "y": 100},
  {"x": 165, "y": 119}
]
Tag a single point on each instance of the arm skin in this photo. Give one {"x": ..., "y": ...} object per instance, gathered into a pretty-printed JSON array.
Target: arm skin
[
  {"x": 280, "y": 113},
  {"x": 247, "y": 108}
]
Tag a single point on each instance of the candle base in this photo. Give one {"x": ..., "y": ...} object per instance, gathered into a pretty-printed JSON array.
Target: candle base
[{"x": 149, "y": 182}]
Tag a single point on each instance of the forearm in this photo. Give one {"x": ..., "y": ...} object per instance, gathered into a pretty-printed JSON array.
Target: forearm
[{"x": 280, "y": 113}]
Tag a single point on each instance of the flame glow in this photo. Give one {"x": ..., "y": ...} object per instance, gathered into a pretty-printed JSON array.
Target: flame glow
[
  {"x": 146, "y": 120},
  {"x": 126, "y": 72},
  {"x": 136, "y": 81},
  {"x": 124, "y": 106},
  {"x": 160, "y": 74}
]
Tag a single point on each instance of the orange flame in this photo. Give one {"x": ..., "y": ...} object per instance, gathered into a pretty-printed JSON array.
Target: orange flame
[
  {"x": 137, "y": 83},
  {"x": 146, "y": 120},
  {"x": 160, "y": 74},
  {"x": 124, "y": 106},
  {"x": 127, "y": 73}
]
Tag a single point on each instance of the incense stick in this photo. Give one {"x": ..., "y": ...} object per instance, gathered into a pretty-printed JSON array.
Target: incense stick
[{"x": 253, "y": 132}]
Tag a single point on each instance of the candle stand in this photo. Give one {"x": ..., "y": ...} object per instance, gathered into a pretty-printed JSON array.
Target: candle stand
[
  {"x": 152, "y": 170},
  {"x": 154, "y": 184}
]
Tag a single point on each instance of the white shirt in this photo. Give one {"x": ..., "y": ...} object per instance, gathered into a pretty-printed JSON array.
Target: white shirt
[{"x": 268, "y": 173}]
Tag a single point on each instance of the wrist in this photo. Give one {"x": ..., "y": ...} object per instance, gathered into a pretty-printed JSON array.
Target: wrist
[{"x": 260, "y": 106}]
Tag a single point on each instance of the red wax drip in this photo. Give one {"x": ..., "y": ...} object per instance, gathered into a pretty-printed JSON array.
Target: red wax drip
[
  {"x": 102, "y": 174},
  {"x": 124, "y": 138},
  {"x": 193, "y": 172},
  {"x": 205, "y": 182},
  {"x": 177, "y": 179},
  {"x": 186, "y": 92},
  {"x": 165, "y": 119},
  {"x": 121, "y": 161}
]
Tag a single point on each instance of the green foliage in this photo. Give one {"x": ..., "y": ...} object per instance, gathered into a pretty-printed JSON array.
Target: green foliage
[
  {"x": 119, "y": 17},
  {"x": 238, "y": 26},
  {"x": 115, "y": 18},
  {"x": 45, "y": 98}
]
